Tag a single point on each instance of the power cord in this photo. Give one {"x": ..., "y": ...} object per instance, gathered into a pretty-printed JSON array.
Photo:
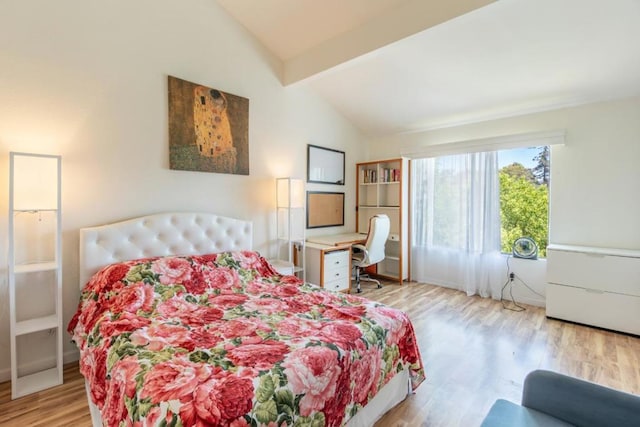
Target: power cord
[
  {"x": 529, "y": 287},
  {"x": 510, "y": 277}
]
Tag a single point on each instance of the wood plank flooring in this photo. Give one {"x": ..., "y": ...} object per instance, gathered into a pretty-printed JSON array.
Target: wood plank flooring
[{"x": 474, "y": 352}]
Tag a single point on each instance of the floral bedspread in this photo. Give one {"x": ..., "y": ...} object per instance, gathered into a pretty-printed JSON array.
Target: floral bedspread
[{"x": 223, "y": 339}]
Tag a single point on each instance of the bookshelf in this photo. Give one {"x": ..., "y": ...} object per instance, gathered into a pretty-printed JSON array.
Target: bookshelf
[{"x": 382, "y": 189}]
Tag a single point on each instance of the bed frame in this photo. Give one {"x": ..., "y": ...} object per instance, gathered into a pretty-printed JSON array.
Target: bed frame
[
  {"x": 160, "y": 235},
  {"x": 184, "y": 233}
]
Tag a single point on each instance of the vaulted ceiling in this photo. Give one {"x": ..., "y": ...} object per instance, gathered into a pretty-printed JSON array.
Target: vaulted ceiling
[{"x": 393, "y": 66}]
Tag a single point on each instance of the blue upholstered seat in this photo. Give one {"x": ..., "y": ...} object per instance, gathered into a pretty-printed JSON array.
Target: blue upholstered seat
[
  {"x": 552, "y": 399},
  {"x": 508, "y": 414}
]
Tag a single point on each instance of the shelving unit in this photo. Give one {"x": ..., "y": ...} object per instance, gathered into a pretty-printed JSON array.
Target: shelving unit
[
  {"x": 382, "y": 189},
  {"x": 290, "y": 226},
  {"x": 35, "y": 272}
]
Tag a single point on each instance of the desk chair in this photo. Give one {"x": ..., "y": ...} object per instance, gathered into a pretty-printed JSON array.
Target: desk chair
[{"x": 372, "y": 252}]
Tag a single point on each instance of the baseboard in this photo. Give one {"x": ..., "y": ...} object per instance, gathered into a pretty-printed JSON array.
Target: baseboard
[
  {"x": 519, "y": 299},
  {"x": 70, "y": 356},
  {"x": 36, "y": 365}
]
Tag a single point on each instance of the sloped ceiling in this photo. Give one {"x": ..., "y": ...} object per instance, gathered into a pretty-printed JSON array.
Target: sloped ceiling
[{"x": 394, "y": 66}]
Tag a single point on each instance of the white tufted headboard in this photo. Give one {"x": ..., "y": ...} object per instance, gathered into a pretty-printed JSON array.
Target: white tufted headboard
[{"x": 164, "y": 234}]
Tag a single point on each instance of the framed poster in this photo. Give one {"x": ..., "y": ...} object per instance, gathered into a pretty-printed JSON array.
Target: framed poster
[
  {"x": 208, "y": 129},
  {"x": 325, "y": 165},
  {"x": 324, "y": 209}
]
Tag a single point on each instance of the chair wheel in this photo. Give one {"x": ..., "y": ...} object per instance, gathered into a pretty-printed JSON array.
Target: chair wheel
[
  {"x": 358, "y": 290},
  {"x": 379, "y": 286}
]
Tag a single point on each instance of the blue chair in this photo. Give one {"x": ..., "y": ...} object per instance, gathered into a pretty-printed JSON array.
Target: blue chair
[{"x": 553, "y": 399}]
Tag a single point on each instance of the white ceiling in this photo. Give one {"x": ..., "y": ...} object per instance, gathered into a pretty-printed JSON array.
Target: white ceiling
[
  {"x": 459, "y": 66},
  {"x": 291, "y": 27}
]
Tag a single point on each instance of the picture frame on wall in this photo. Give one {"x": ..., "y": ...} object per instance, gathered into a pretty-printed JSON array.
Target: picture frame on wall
[
  {"x": 208, "y": 129},
  {"x": 325, "y": 209},
  {"x": 325, "y": 165}
]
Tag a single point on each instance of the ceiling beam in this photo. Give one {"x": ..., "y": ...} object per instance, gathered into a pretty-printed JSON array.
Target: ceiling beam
[{"x": 410, "y": 18}]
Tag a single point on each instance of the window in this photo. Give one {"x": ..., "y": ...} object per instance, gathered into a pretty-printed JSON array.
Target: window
[
  {"x": 456, "y": 222},
  {"x": 524, "y": 196},
  {"x": 469, "y": 204}
]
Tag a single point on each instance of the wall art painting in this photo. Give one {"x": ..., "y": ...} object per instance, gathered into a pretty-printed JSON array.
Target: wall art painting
[{"x": 208, "y": 129}]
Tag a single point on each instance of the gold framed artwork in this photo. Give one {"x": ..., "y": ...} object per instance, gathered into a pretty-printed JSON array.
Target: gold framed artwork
[
  {"x": 324, "y": 209},
  {"x": 208, "y": 129}
]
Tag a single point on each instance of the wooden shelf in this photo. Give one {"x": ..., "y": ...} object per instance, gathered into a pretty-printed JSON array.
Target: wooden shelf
[
  {"x": 380, "y": 183},
  {"x": 388, "y": 194}
]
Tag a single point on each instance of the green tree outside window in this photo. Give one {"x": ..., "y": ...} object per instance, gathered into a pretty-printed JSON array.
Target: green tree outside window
[{"x": 524, "y": 202}]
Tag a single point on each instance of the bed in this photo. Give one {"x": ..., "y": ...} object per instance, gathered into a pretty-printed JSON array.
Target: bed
[{"x": 181, "y": 323}]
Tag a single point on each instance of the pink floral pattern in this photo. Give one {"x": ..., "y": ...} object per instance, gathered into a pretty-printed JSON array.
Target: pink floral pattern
[
  {"x": 312, "y": 372},
  {"x": 223, "y": 340}
]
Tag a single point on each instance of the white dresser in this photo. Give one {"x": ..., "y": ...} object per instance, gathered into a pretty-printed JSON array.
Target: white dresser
[
  {"x": 594, "y": 286},
  {"x": 329, "y": 266}
]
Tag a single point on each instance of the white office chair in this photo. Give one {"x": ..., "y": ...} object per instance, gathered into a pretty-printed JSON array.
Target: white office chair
[{"x": 372, "y": 252}]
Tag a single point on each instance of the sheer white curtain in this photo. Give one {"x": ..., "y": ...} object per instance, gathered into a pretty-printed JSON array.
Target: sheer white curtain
[{"x": 456, "y": 223}]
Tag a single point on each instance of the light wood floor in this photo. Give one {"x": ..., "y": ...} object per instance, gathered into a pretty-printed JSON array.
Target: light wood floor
[{"x": 474, "y": 352}]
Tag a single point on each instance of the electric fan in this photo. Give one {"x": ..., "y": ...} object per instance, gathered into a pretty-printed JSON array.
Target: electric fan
[{"x": 525, "y": 247}]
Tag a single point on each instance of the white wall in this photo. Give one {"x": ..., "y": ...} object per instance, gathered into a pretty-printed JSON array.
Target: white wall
[
  {"x": 88, "y": 80},
  {"x": 595, "y": 176}
]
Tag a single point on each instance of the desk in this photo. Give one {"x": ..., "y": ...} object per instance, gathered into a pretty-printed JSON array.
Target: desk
[{"x": 338, "y": 239}]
